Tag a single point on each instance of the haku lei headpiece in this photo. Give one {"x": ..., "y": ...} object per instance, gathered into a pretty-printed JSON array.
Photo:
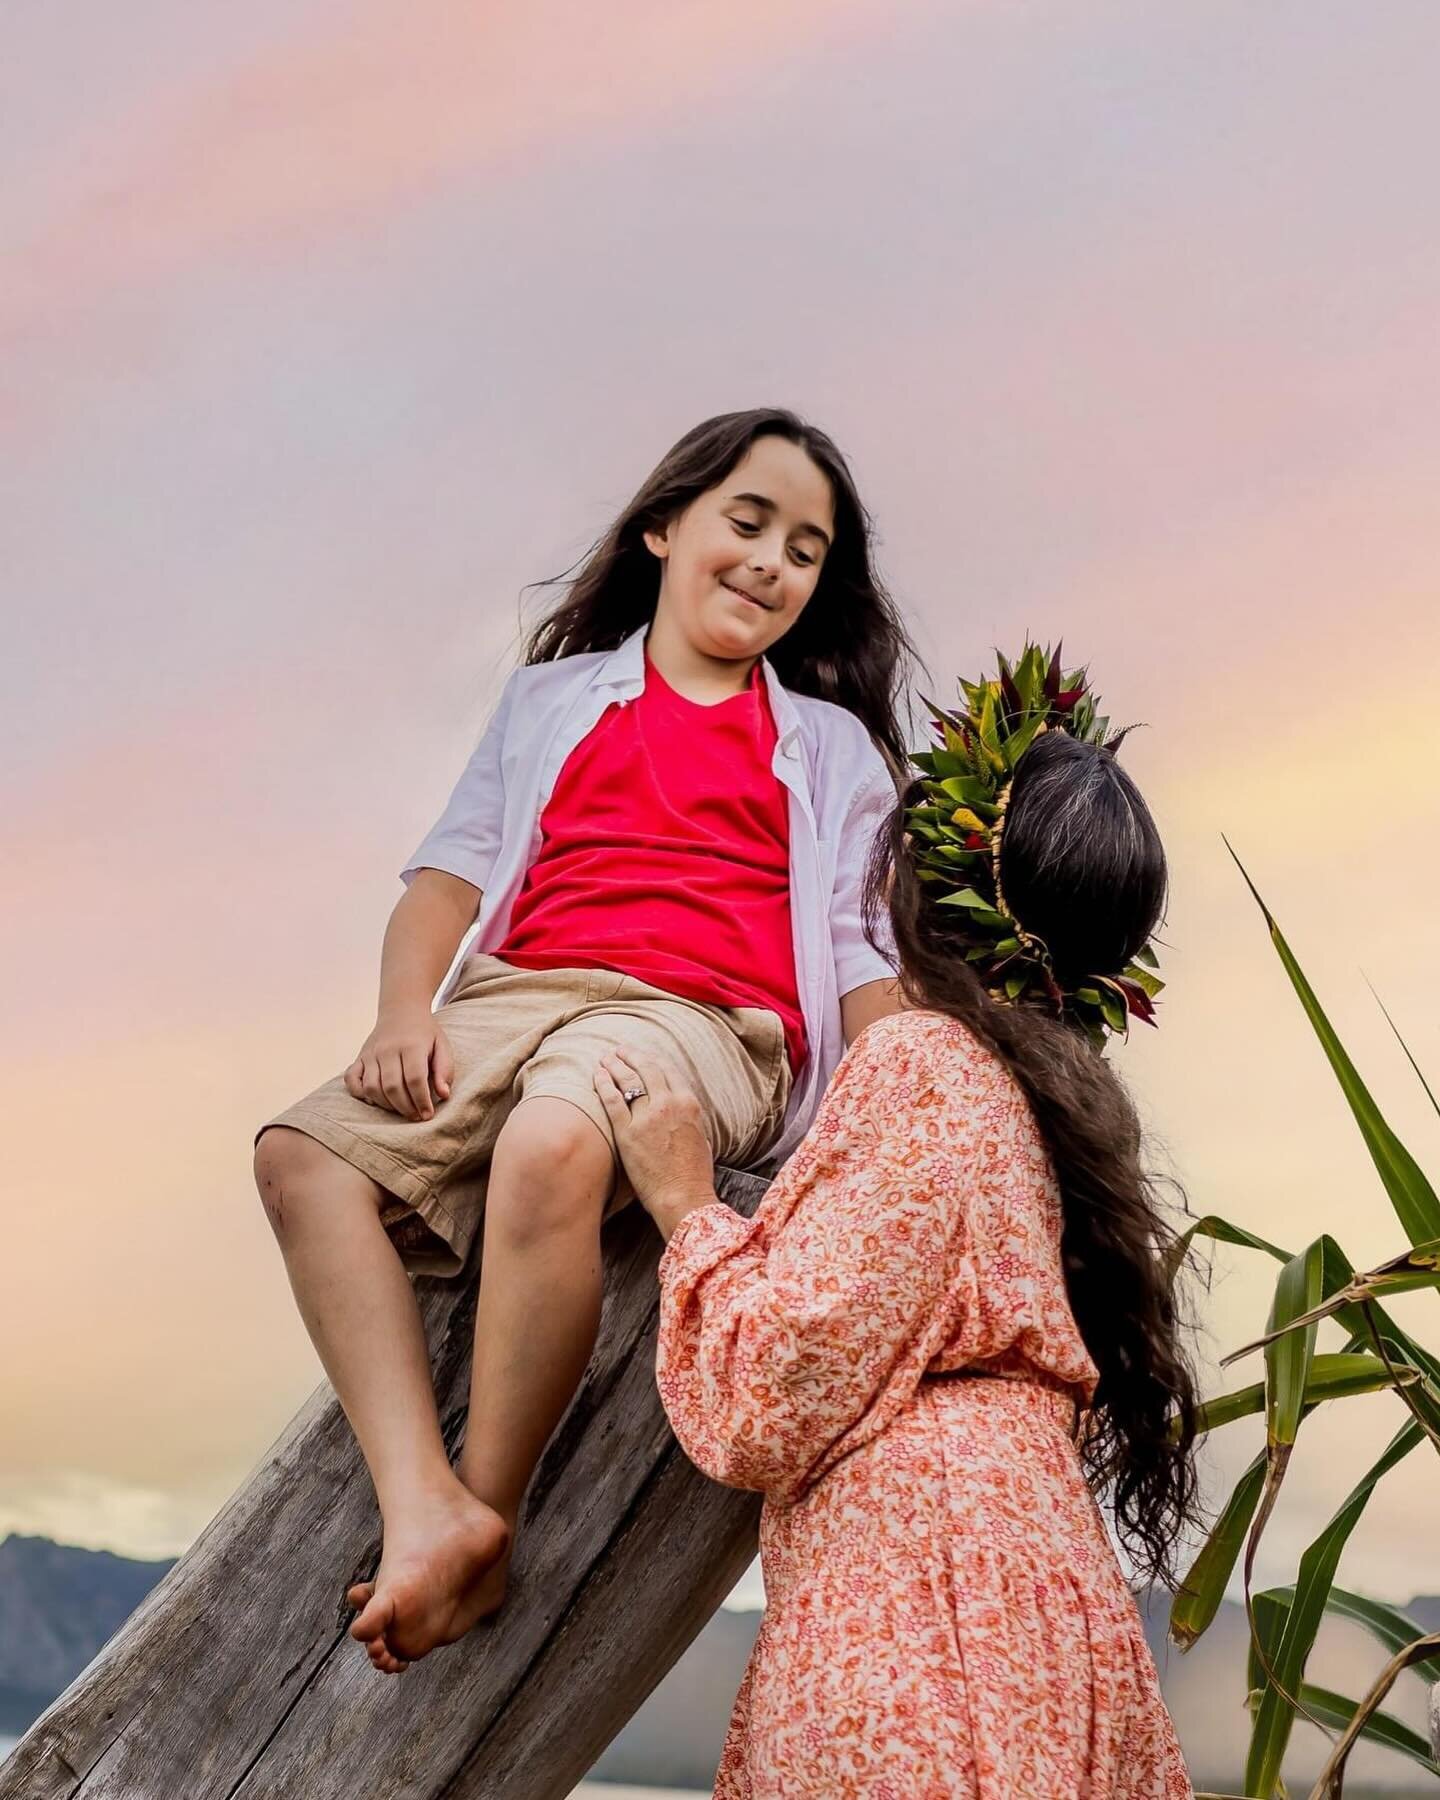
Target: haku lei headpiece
[{"x": 959, "y": 826}]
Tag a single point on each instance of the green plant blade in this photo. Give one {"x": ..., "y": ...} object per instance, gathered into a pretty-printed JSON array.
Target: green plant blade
[
  {"x": 1198, "y": 1598},
  {"x": 1268, "y": 1612},
  {"x": 1416, "y": 1268},
  {"x": 1222, "y": 1232},
  {"x": 1421, "y": 1394},
  {"x": 1380, "y": 1728},
  {"x": 1275, "y": 1715},
  {"x": 1334, "y": 1375},
  {"x": 1419, "y": 1073},
  {"x": 1287, "y": 1359},
  {"x": 1387, "y": 1624},
  {"x": 1330, "y": 1781},
  {"x": 1414, "y": 1200},
  {"x": 1403, "y": 1348}
]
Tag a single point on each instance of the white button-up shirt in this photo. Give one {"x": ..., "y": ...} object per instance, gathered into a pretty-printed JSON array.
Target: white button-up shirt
[{"x": 840, "y": 793}]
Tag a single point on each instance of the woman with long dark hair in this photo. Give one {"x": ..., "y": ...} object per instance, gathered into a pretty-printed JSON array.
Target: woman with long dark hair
[{"x": 948, "y": 1331}]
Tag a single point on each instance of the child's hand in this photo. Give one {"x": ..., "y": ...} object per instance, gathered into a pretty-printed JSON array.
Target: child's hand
[
  {"x": 660, "y": 1135},
  {"x": 405, "y": 1065}
]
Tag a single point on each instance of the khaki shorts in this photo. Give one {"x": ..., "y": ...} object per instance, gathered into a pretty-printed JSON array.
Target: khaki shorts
[{"x": 523, "y": 1034}]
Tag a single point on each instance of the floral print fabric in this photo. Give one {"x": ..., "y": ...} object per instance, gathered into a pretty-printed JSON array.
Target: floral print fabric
[{"x": 886, "y": 1351}]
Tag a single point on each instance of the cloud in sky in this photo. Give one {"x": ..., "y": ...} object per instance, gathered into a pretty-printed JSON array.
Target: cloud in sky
[
  {"x": 338, "y": 325},
  {"x": 360, "y": 108}
]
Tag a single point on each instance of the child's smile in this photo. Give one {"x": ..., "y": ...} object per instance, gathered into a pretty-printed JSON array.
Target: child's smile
[{"x": 750, "y": 599}]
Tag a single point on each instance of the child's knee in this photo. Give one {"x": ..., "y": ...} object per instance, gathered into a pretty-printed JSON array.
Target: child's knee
[
  {"x": 552, "y": 1169},
  {"x": 292, "y": 1168}
]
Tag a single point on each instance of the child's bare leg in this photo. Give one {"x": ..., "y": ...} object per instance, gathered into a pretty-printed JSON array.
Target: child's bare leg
[
  {"x": 358, "y": 1306},
  {"x": 539, "y": 1304}
]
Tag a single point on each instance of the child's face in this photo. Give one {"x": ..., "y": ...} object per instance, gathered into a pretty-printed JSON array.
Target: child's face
[{"x": 742, "y": 560}]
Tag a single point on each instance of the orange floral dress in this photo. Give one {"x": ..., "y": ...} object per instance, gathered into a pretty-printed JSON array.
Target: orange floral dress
[{"x": 887, "y": 1353}]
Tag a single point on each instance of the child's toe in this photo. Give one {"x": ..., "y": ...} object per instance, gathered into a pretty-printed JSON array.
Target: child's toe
[
  {"x": 384, "y": 1660},
  {"x": 371, "y": 1624}
]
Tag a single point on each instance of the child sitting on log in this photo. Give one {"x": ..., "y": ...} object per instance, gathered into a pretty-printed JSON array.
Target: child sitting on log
[{"x": 659, "y": 844}]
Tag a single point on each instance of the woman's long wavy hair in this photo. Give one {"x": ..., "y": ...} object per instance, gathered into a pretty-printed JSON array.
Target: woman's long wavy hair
[
  {"x": 1082, "y": 867},
  {"x": 848, "y": 645}
]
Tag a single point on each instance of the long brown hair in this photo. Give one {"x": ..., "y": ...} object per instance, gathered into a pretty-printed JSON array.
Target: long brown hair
[
  {"x": 1081, "y": 857},
  {"x": 848, "y": 646}
]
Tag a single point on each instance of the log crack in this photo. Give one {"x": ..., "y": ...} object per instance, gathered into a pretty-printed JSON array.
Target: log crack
[{"x": 280, "y": 1722}]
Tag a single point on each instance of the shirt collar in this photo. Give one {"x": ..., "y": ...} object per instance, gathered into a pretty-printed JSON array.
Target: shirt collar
[
  {"x": 625, "y": 667},
  {"x": 624, "y": 670}
]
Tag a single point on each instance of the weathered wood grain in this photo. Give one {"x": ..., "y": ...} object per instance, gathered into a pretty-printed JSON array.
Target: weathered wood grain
[{"x": 236, "y": 1678}]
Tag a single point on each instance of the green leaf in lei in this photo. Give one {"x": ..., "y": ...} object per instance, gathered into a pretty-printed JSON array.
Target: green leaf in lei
[
  {"x": 967, "y": 897},
  {"x": 1020, "y": 741}
]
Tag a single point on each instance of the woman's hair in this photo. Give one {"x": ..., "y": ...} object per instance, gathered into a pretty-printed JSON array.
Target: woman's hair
[
  {"x": 848, "y": 645},
  {"x": 1081, "y": 867}
]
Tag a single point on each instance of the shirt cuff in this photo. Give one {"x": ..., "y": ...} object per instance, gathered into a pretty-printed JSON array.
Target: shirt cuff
[
  {"x": 712, "y": 1228},
  {"x": 861, "y": 967},
  {"x": 450, "y": 859}
]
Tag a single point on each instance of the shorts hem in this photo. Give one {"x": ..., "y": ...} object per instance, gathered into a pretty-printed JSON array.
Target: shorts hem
[{"x": 389, "y": 1174}]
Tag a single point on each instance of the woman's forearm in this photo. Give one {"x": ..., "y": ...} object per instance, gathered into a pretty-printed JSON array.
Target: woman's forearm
[{"x": 421, "y": 939}]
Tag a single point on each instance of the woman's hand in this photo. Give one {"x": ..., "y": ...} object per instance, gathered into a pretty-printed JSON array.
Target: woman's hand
[
  {"x": 404, "y": 1065},
  {"x": 660, "y": 1136}
]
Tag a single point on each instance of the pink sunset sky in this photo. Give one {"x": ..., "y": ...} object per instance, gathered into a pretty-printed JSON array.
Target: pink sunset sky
[{"x": 329, "y": 325}]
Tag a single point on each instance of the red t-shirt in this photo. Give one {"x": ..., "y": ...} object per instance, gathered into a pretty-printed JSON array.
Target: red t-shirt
[{"x": 665, "y": 854}]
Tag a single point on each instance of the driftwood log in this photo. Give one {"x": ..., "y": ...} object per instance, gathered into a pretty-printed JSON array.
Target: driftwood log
[{"x": 236, "y": 1678}]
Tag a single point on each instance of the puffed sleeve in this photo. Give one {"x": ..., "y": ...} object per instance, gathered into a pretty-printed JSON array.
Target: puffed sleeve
[
  {"x": 465, "y": 839},
  {"x": 790, "y": 1339}
]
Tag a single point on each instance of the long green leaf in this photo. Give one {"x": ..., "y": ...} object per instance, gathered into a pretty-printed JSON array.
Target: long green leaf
[
  {"x": 1275, "y": 1714},
  {"x": 1268, "y": 1613},
  {"x": 1198, "y": 1600},
  {"x": 1199, "y": 1595},
  {"x": 1287, "y": 1359},
  {"x": 1387, "y": 1624},
  {"x": 1416, "y": 1205},
  {"x": 1330, "y": 1781},
  {"x": 1419, "y": 1073},
  {"x": 1223, "y": 1232},
  {"x": 1334, "y": 1375},
  {"x": 1338, "y": 1271},
  {"x": 1381, "y": 1727},
  {"x": 1422, "y": 1396},
  {"x": 1414, "y": 1269}
]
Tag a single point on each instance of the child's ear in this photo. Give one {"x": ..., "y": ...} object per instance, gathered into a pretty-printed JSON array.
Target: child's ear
[{"x": 657, "y": 542}]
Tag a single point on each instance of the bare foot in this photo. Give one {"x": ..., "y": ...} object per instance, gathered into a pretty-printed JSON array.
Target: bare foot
[
  {"x": 488, "y": 1593},
  {"x": 441, "y": 1571},
  {"x": 379, "y": 1650}
]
